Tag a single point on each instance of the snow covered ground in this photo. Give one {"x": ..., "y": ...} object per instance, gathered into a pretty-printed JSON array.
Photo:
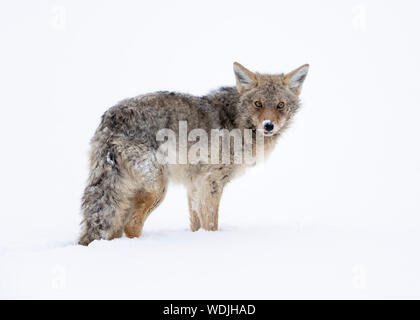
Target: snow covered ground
[
  {"x": 333, "y": 213},
  {"x": 286, "y": 261},
  {"x": 260, "y": 252},
  {"x": 265, "y": 259}
]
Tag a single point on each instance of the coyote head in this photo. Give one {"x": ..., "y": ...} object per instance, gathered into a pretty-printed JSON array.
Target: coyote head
[{"x": 268, "y": 101}]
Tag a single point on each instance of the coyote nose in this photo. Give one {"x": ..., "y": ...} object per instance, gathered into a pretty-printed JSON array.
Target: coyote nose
[{"x": 268, "y": 126}]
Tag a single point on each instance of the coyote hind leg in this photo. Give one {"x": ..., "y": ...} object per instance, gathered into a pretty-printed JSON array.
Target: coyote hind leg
[
  {"x": 149, "y": 184},
  {"x": 119, "y": 169},
  {"x": 144, "y": 203}
]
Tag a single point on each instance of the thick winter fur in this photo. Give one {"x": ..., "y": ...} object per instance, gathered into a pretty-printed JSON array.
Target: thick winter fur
[{"x": 126, "y": 182}]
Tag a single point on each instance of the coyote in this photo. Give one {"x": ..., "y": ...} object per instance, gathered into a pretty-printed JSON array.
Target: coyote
[{"x": 126, "y": 181}]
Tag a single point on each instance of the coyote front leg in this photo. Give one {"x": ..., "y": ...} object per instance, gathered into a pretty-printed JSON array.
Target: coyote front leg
[
  {"x": 193, "y": 206},
  {"x": 208, "y": 205}
]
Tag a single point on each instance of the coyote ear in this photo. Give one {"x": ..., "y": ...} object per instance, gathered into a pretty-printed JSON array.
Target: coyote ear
[
  {"x": 295, "y": 78},
  {"x": 245, "y": 79}
]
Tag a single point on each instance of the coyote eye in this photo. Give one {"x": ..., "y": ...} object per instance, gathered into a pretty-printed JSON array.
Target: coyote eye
[
  {"x": 280, "y": 105},
  {"x": 258, "y": 104}
]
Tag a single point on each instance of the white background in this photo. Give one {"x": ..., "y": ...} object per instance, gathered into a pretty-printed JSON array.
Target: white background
[{"x": 333, "y": 213}]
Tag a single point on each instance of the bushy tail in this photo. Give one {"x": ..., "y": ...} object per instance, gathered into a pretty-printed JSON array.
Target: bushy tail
[{"x": 100, "y": 200}]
